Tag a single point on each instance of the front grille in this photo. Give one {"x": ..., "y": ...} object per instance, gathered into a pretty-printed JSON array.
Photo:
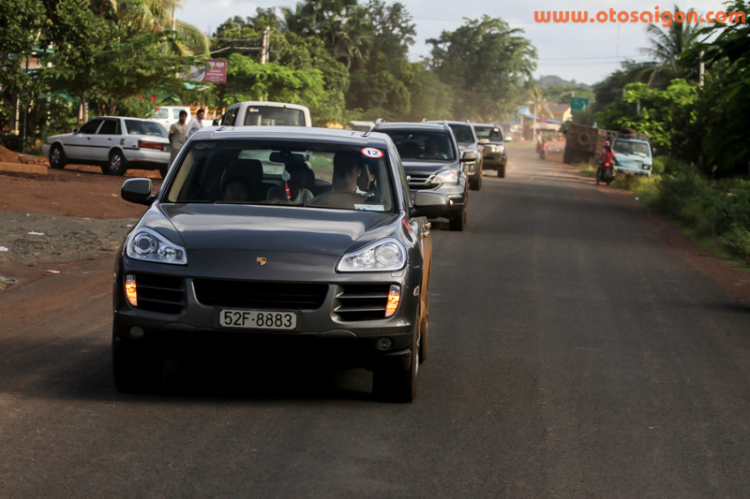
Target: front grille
[
  {"x": 419, "y": 181},
  {"x": 260, "y": 295},
  {"x": 160, "y": 293},
  {"x": 362, "y": 302}
]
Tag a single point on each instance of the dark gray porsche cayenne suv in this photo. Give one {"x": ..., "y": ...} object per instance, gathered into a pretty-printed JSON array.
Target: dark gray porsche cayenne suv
[{"x": 273, "y": 242}]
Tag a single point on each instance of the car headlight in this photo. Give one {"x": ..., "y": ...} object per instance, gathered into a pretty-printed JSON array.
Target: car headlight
[
  {"x": 385, "y": 255},
  {"x": 500, "y": 148},
  {"x": 150, "y": 246},
  {"x": 446, "y": 177}
]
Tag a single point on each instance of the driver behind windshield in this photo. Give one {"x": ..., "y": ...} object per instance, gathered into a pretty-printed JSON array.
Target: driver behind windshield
[{"x": 432, "y": 150}]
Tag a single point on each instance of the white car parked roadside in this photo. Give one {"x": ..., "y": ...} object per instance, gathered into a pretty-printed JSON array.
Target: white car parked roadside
[{"x": 114, "y": 143}]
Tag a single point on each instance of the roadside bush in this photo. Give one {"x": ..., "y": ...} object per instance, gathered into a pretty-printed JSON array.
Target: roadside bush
[
  {"x": 668, "y": 165},
  {"x": 719, "y": 211},
  {"x": 737, "y": 241}
]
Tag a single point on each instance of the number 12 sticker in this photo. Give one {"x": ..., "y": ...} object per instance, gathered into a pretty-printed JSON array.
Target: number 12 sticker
[{"x": 371, "y": 152}]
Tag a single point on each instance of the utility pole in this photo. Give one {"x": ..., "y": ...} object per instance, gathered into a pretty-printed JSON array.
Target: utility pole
[
  {"x": 25, "y": 115},
  {"x": 701, "y": 70},
  {"x": 265, "y": 45}
]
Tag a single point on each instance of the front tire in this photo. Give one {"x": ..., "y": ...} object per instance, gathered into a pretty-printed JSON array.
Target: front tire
[
  {"x": 398, "y": 386},
  {"x": 501, "y": 171},
  {"x": 117, "y": 164},
  {"x": 476, "y": 184},
  {"x": 135, "y": 370},
  {"x": 457, "y": 223},
  {"x": 57, "y": 157}
]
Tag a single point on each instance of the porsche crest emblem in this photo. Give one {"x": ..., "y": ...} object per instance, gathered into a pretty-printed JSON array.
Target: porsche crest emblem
[{"x": 261, "y": 260}]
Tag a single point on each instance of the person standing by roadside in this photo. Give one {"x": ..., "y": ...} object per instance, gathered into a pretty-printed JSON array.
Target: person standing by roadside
[
  {"x": 178, "y": 135},
  {"x": 196, "y": 123}
]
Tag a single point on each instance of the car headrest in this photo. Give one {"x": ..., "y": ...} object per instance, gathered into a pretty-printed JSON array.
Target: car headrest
[{"x": 249, "y": 171}]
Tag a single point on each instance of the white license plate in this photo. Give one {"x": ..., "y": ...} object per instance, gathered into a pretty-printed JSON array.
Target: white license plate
[{"x": 257, "y": 319}]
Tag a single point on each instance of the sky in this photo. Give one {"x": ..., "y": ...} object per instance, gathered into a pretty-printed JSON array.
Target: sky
[{"x": 586, "y": 53}]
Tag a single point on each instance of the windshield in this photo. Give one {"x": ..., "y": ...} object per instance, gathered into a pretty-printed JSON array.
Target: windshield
[
  {"x": 632, "y": 148},
  {"x": 145, "y": 128},
  {"x": 462, "y": 133},
  {"x": 422, "y": 145},
  {"x": 493, "y": 133},
  {"x": 283, "y": 172},
  {"x": 274, "y": 116}
]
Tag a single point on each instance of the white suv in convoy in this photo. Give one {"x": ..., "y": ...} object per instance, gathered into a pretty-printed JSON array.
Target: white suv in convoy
[
  {"x": 261, "y": 113},
  {"x": 114, "y": 143}
]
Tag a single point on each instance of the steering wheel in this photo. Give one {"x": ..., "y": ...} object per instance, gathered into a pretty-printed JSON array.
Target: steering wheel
[{"x": 338, "y": 199}]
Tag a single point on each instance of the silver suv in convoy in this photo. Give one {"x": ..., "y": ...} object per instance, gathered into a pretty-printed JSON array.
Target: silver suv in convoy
[
  {"x": 467, "y": 141},
  {"x": 493, "y": 147},
  {"x": 432, "y": 161}
]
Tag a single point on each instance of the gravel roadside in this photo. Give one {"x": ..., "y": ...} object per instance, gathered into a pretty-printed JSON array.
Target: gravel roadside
[{"x": 30, "y": 244}]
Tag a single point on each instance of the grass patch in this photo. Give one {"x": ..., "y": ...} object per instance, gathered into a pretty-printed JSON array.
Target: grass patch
[{"x": 587, "y": 169}]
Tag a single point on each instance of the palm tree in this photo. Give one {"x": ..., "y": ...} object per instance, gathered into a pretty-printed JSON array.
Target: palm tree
[
  {"x": 667, "y": 45},
  {"x": 536, "y": 97},
  {"x": 159, "y": 15}
]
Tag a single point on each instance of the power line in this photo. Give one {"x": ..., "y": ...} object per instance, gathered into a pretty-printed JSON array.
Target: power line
[{"x": 582, "y": 58}]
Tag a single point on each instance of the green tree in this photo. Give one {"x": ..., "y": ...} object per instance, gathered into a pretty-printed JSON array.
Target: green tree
[
  {"x": 667, "y": 116},
  {"x": 485, "y": 62},
  {"x": 343, "y": 25},
  {"x": 292, "y": 51},
  {"x": 383, "y": 84},
  {"x": 22, "y": 22},
  {"x": 109, "y": 60},
  {"x": 725, "y": 98},
  {"x": 250, "y": 80}
]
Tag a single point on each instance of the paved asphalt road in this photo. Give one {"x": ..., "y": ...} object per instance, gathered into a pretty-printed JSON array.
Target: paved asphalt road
[{"x": 572, "y": 354}]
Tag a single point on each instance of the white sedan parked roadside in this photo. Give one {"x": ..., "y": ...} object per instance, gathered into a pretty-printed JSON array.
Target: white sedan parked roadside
[{"x": 113, "y": 143}]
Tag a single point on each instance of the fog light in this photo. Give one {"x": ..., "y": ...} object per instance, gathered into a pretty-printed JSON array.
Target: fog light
[
  {"x": 136, "y": 332},
  {"x": 130, "y": 290},
  {"x": 394, "y": 295},
  {"x": 384, "y": 344}
]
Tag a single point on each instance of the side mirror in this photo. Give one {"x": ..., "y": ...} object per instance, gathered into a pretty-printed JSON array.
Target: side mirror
[
  {"x": 75, "y": 130},
  {"x": 137, "y": 190},
  {"x": 468, "y": 156},
  {"x": 484, "y": 141},
  {"x": 430, "y": 204}
]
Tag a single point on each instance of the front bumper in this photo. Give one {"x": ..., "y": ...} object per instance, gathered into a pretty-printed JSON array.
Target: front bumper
[
  {"x": 493, "y": 160},
  {"x": 321, "y": 337},
  {"x": 633, "y": 170}
]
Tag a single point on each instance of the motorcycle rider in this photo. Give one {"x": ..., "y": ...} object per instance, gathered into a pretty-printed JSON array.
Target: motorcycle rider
[{"x": 607, "y": 156}]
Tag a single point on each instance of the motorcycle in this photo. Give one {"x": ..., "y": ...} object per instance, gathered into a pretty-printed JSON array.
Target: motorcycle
[{"x": 606, "y": 173}]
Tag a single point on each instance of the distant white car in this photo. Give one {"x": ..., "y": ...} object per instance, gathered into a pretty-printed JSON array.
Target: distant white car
[
  {"x": 114, "y": 143},
  {"x": 167, "y": 115}
]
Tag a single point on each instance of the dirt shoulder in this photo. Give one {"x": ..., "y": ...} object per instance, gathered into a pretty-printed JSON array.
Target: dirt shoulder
[{"x": 49, "y": 222}]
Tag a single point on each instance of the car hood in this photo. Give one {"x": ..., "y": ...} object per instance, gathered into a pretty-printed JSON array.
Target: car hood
[
  {"x": 264, "y": 228},
  {"x": 413, "y": 166},
  {"x": 58, "y": 137}
]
